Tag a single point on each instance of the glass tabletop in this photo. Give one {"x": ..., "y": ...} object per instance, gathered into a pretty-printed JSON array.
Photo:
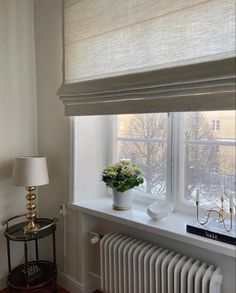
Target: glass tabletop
[{"x": 16, "y": 232}]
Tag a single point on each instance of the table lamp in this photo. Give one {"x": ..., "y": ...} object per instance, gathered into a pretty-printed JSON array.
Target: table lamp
[{"x": 30, "y": 172}]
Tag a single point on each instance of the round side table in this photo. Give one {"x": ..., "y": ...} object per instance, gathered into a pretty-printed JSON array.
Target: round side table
[{"x": 32, "y": 275}]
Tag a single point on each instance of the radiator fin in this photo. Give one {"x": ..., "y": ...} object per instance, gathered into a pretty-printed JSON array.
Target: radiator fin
[{"x": 129, "y": 265}]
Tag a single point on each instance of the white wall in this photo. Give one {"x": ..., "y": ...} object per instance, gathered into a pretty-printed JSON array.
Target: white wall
[
  {"x": 90, "y": 157},
  {"x": 18, "y": 117},
  {"x": 53, "y": 126}
]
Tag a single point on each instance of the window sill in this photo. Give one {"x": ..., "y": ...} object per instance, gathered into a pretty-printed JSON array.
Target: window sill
[{"x": 137, "y": 218}]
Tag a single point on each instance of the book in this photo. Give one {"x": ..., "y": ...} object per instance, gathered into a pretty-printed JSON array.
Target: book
[{"x": 213, "y": 230}]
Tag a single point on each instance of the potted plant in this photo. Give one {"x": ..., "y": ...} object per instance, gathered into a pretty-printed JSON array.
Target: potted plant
[{"x": 122, "y": 177}]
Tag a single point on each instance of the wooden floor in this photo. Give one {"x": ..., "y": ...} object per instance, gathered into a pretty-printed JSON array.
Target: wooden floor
[{"x": 60, "y": 290}]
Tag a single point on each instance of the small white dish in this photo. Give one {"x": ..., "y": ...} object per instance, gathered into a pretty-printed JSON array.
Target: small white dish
[{"x": 159, "y": 209}]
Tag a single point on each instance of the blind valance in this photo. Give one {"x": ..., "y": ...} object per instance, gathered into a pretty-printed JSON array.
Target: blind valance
[{"x": 146, "y": 56}]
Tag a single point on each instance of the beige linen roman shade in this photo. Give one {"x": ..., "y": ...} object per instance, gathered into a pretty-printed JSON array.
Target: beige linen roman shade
[{"x": 148, "y": 56}]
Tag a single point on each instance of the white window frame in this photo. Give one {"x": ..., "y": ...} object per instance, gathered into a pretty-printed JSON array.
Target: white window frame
[
  {"x": 175, "y": 161},
  {"x": 112, "y": 147}
]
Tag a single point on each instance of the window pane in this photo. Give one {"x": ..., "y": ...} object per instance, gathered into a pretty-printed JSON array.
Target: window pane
[
  {"x": 209, "y": 155},
  {"x": 143, "y": 139}
]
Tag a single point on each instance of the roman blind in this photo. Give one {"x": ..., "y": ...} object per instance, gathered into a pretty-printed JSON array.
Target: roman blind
[{"x": 148, "y": 55}]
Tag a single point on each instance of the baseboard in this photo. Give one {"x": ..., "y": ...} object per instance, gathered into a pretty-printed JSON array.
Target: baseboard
[
  {"x": 69, "y": 283},
  {"x": 3, "y": 282},
  {"x": 73, "y": 286}
]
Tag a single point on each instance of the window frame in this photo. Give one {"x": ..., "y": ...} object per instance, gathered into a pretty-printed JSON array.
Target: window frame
[
  {"x": 112, "y": 150},
  {"x": 175, "y": 162}
]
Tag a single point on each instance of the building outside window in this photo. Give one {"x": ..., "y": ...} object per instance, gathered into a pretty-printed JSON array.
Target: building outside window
[{"x": 215, "y": 125}]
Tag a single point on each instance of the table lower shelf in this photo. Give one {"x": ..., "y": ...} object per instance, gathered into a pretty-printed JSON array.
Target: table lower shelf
[{"x": 17, "y": 278}]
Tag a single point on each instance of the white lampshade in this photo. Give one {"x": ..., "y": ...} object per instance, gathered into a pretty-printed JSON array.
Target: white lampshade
[{"x": 30, "y": 171}]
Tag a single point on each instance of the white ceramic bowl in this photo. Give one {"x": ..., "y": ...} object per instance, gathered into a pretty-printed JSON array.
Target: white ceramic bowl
[{"x": 159, "y": 209}]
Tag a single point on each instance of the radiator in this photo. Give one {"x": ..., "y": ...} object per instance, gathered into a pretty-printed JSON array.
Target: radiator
[{"x": 130, "y": 265}]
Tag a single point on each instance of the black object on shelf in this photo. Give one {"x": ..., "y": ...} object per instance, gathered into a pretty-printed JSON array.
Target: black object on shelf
[
  {"x": 34, "y": 271},
  {"x": 32, "y": 275},
  {"x": 17, "y": 276},
  {"x": 212, "y": 231}
]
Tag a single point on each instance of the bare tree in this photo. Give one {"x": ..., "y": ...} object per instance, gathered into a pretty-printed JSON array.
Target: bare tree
[
  {"x": 146, "y": 145},
  {"x": 199, "y": 159},
  {"x": 227, "y": 169},
  {"x": 148, "y": 149}
]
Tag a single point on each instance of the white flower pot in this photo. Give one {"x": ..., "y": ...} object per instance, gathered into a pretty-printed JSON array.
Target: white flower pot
[{"x": 122, "y": 201}]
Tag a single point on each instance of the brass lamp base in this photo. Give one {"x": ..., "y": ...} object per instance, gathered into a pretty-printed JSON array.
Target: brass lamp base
[{"x": 31, "y": 227}]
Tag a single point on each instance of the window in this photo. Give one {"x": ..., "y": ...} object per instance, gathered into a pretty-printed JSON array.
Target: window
[
  {"x": 209, "y": 156},
  {"x": 179, "y": 153},
  {"x": 215, "y": 125},
  {"x": 144, "y": 141},
  {"x": 115, "y": 68}
]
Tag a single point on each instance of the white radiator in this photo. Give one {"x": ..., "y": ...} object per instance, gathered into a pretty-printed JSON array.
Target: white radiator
[{"x": 129, "y": 265}]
